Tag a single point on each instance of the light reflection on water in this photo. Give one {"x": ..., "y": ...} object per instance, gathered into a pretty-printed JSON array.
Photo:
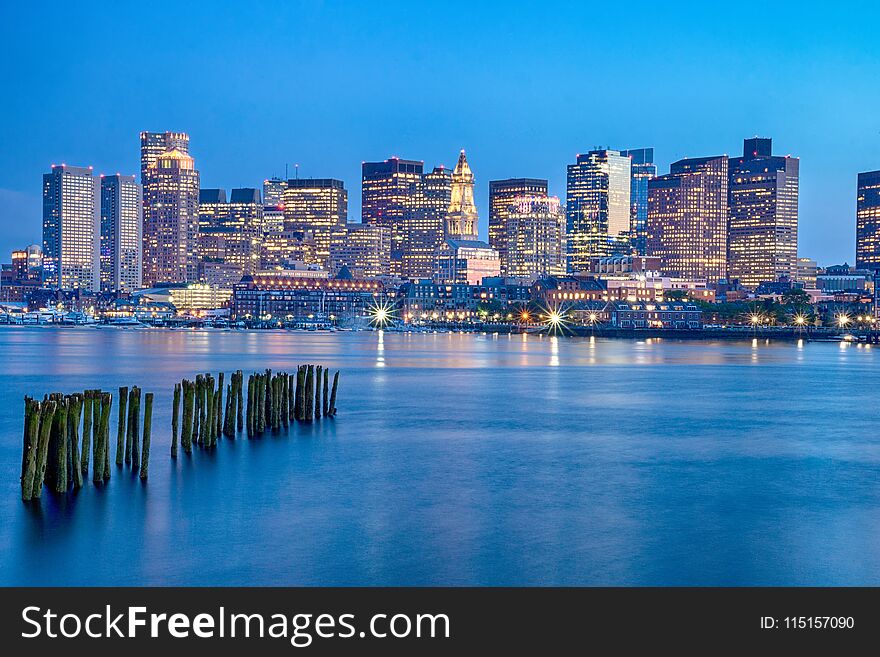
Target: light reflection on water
[{"x": 469, "y": 459}]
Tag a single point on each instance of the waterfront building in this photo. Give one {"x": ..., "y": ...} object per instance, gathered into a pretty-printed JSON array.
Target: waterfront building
[
  {"x": 282, "y": 250},
  {"x": 186, "y": 296},
  {"x": 687, "y": 219},
  {"x": 534, "y": 238},
  {"x": 318, "y": 206},
  {"x": 598, "y": 207},
  {"x": 365, "y": 250},
  {"x": 71, "y": 213},
  {"x": 213, "y": 208},
  {"x": 425, "y": 301},
  {"x": 669, "y": 315},
  {"x": 121, "y": 236},
  {"x": 868, "y": 220},
  {"x": 305, "y": 296},
  {"x": 763, "y": 215},
  {"x": 502, "y": 195},
  {"x": 171, "y": 213},
  {"x": 642, "y": 169},
  {"x": 843, "y": 278},
  {"x": 273, "y": 191}
]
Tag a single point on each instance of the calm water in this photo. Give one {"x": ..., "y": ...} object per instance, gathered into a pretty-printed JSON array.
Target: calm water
[{"x": 468, "y": 459}]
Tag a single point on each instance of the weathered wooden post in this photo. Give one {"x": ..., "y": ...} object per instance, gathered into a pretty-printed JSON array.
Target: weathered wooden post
[
  {"x": 326, "y": 391},
  {"x": 261, "y": 404},
  {"x": 285, "y": 399},
  {"x": 88, "y": 401},
  {"x": 250, "y": 405},
  {"x": 333, "y": 394},
  {"x": 187, "y": 431},
  {"x": 136, "y": 429},
  {"x": 99, "y": 440},
  {"x": 129, "y": 425},
  {"x": 310, "y": 394},
  {"x": 47, "y": 417},
  {"x": 291, "y": 397},
  {"x": 31, "y": 445},
  {"x": 120, "y": 425},
  {"x": 175, "y": 407},
  {"x": 96, "y": 428},
  {"x": 267, "y": 382},
  {"x": 299, "y": 394},
  {"x": 319, "y": 371},
  {"x": 59, "y": 430},
  {"x": 73, "y": 419},
  {"x": 148, "y": 420},
  {"x": 239, "y": 399},
  {"x": 106, "y": 437}
]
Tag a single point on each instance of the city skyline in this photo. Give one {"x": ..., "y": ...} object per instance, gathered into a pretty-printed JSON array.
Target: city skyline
[{"x": 814, "y": 113}]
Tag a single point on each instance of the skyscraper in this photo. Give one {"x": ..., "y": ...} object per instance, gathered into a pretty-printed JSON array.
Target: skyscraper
[
  {"x": 687, "y": 218},
  {"x": 642, "y": 170},
  {"x": 273, "y": 191},
  {"x": 388, "y": 198},
  {"x": 213, "y": 208},
  {"x": 365, "y": 251},
  {"x": 868, "y": 221},
  {"x": 597, "y": 207},
  {"x": 318, "y": 206},
  {"x": 71, "y": 228},
  {"x": 502, "y": 195},
  {"x": 171, "y": 220},
  {"x": 763, "y": 215},
  {"x": 425, "y": 225},
  {"x": 461, "y": 218},
  {"x": 534, "y": 238},
  {"x": 121, "y": 234},
  {"x": 245, "y": 224}
]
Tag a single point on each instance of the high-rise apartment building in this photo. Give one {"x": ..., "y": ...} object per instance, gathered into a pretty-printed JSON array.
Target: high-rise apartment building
[
  {"x": 598, "y": 207},
  {"x": 245, "y": 223},
  {"x": 642, "y": 170},
  {"x": 687, "y": 219},
  {"x": 318, "y": 206},
  {"x": 121, "y": 240},
  {"x": 213, "y": 208},
  {"x": 763, "y": 215},
  {"x": 534, "y": 238},
  {"x": 171, "y": 217},
  {"x": 71, "y": 213},
  {"x": 868, "y": 220},
  {"x": 273, "y": 191},
  {"x": 502, "y": 195}
]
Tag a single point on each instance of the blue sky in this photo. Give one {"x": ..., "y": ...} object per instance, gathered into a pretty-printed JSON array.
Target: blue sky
[{"x": 522, "y": 86}]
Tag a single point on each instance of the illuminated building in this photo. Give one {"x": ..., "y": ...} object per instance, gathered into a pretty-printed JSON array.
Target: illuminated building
[
  {"x": 273, "y": 191},
  {"x": 642, "y": 170},
  {"x": 219, "y": 274},
  {"x": 171, "y": 208},
  {"x": 597, "y": 207},
  {"x": 71, "y": 212},
  {"x": 245, "y": 224},
  {"x": 534, "y": 238},
  {"x": 687, "y": 219},
  {"x": 763, "y": 215},
  {"x": 121, "y": 237},
  {"x": 281, "y": 250},
  {"x": 868, "y": 221},
  {"x": 273, "y": 219},
  {"x": 27, "y": 264},
  {"x": 187, "y": 296},
  {"x": 807, "y": 269},
  {"x": 503, "y": 194},
  {"x": 303, "y": 295},
  {"x": 466, "y": 261},
  {"x": 365, "y": 250},
  {"x": 670, "y": 315},
  {"x": 461, "y": 217},
  {"x": 426, "y": 302},
  {"x": 318, "y": 206},
  {"x": 213, "y": 208},
  {"x": 424, "y": 228}
]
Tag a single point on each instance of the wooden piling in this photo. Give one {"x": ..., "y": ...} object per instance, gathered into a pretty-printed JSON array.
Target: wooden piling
[
  {"x": 129, "y": 426},
  {"x": 239, "y": 399},
  {"x": 88, "y": 401},
  {"x": 326, "y": 391},
  {"x": 250, "y": 405},
  {"x": 47, "y": 416},
  {"x": 175, "y": 408},
  {"x": 310, "y": 394},
  {"x": 145, "y": 449},
  {"x": 333, "y": 394},
  {"x": 136, "y": 429},
  {"x": 73, "y": 419},
  {"x": 31, "y": 445},
  {"x": 59, "y": 429},
  {"x": 100, "y": 438},
  {"x": 188, "y": 402},
  {"x": 319, "y": 371},
  {"x": 106, "y": 437},
  {"x": 120, "y": 425}
]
